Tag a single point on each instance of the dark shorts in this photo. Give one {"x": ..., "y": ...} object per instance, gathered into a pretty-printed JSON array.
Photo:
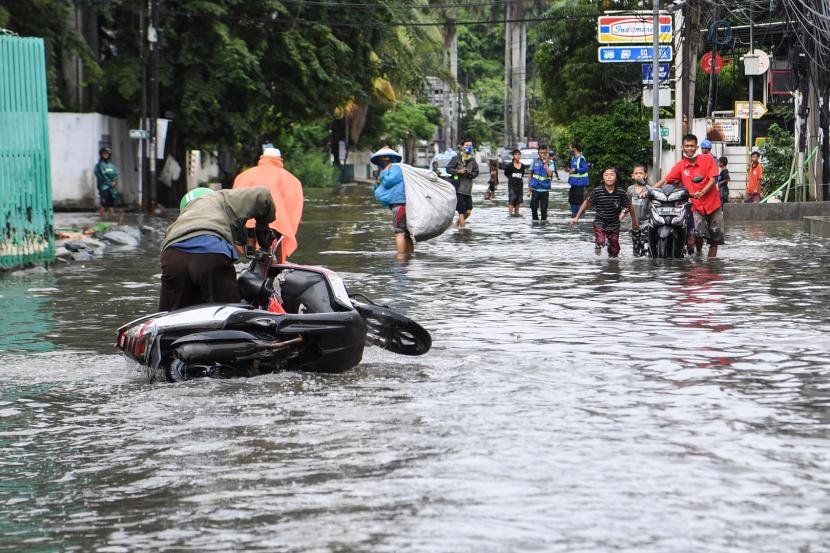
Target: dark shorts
[
  {"x": 399, "y": 218},
  {"x": 107, "y": 197},
  {"x": 724, "y": 194},
  {"x": 515, "y": 194},
  {"x": 710, "y": 227},
  {"x": 463, "y": 203},
  {"x": 576, "y": 195},
  {"x": 193, "y": 278}
]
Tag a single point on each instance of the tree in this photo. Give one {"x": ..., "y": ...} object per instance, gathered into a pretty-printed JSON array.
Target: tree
[
  {"x": 573, "y": 82},
  {"x": 616, "y": 138},
  {"x": 409, "y": 121}
]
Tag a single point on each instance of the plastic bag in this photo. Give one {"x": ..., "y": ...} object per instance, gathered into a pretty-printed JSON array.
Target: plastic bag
[{"x": 430, "y": 203}]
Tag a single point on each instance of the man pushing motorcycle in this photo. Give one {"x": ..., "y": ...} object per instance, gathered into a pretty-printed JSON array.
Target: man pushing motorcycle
[
  {"x": 699, "y": 174},
  {"x": 198, "y": 253}
]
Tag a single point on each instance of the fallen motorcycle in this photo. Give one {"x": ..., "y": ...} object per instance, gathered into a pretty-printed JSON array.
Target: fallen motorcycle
[{"x": 294, "y": 317}]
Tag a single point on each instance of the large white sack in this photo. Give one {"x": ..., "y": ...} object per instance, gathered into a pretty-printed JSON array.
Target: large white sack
[{"x": 430, "y": 202}]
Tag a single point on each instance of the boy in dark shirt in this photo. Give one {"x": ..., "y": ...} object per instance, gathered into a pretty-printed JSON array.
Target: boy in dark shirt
[
  {"x": 515, "y": 172},
  {"x": 723, "y": 180},
  {"x": 608, "y": 202}
]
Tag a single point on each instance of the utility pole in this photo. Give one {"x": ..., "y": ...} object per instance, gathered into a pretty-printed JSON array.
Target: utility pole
[
  {"x": 144, "y": 193},
  {"x": 710, "y": 108},
  {"x": 751, "y": 90},
  {"x": 657, "y": 146},
  {"x": 153, "y": 40}
]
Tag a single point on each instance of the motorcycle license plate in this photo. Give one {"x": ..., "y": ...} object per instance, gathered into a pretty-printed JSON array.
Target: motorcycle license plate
[{"x": 668, "y": 211}]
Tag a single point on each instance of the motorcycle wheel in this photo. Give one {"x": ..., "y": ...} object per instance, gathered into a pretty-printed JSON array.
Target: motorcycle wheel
[
  {"x": 392, "y": 331},
  {"x": 664, "y": 247}
]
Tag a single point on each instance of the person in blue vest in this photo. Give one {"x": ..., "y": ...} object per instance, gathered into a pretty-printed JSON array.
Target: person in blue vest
[
  {"x": 578, "y": 178},
  {"x": 391, "y": 192},
  {"x": 539, "y": 185}
]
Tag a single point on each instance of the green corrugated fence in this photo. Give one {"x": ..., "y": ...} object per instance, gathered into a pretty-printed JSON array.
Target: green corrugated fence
[{"x": 25, "y": 181}]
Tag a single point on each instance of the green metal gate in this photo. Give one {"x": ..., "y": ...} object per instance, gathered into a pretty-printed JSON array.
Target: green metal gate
[{"x": 25, "y": 181}]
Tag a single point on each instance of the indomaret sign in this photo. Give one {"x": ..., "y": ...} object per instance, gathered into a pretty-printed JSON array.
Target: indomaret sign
[{"x": 632, "y": 29}]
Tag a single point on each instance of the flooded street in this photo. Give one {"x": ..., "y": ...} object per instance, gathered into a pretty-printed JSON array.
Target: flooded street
[{"x": 570, "y": 402}]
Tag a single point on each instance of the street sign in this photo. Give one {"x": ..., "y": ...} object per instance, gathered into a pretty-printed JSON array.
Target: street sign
[
  {"x": 139, "y": 134},
  {"x": 706, "y": 63},
  {"x": 726, "y": 130},
  {"x": 632, "y": 54},
  {"x": 663, "y": 97},
  {"x": 756, "y": 63},
  {"x": 664, "y": 131},
  {"x": 648, "y": 69},
  {"x": 742, "y": 109},
  {"x": 632, "y": 29}
]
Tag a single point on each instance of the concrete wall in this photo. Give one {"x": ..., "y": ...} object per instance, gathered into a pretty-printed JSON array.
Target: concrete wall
[
  {"x": 74, "y": 141},
  {"x": 775, "y": 212},
  {"x": 202, "y": 167},
  {"x": 819, "y": 226}
]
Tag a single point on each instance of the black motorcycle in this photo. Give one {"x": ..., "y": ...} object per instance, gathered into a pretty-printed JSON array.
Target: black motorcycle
[
  {"x": 294, "y": 317},
  {"x": 668, "y": 220}
]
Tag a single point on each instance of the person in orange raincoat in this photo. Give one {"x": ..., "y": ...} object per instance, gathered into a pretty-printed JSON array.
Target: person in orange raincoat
[{"x": 287, "y": 192}]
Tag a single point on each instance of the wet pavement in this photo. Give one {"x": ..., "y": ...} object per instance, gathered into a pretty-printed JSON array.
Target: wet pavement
[{"x": 570, "y": 402}]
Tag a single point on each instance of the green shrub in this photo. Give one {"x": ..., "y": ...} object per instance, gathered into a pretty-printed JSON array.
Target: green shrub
[
  {"x": 777, "y": 154},
  {"x": 313, "y": 168},
  {"x": 617, "y": 138}
]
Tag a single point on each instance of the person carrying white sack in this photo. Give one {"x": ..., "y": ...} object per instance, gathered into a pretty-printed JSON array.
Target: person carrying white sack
[{"x": 389, "y": 189}]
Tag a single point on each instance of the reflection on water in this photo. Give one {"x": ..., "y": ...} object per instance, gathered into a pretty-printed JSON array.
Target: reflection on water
[
  {"x": 570, "y": 403},
  {"x": 27, "y": 315}
]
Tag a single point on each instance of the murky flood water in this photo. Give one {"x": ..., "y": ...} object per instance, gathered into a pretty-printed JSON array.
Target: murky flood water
[{"x": 569, "y": 403}]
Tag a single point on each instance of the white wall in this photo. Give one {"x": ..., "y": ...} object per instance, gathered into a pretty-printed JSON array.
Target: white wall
[
  {"x": 736, "y": 155},
  {"x": 201, "y": 167},
  {"x": 73, "y": 148}
]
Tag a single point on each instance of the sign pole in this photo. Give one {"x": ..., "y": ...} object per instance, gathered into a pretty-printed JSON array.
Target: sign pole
[
  {"x": 751, "y": 99},
  {"x": 657, "y": 147}
]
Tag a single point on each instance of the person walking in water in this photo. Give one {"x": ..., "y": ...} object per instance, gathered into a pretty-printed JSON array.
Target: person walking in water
[
  {"x": 515, "y": 172},
  {"x": 539, "y": 185},
  {"x": 578, "y": 178},
  {"x": 391, "y": 192},
  {"x": 637, "y": 193},
  {"x": 608, "y": 201},
  {"x": 463, "y": 169},
  {"x": 699, "y": 174}
]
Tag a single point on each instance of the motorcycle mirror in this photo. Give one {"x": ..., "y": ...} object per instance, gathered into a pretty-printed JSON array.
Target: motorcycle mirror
[{"x": 697, "y": 179}]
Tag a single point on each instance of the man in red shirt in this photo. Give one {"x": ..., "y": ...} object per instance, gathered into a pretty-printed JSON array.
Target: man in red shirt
[
  {"x": 706, "y": 206},
  {"x": 756, "y": 173}
]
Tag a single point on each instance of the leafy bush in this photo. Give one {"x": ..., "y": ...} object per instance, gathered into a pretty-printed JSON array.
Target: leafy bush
[
  {"x": 778, "y": 157},
  {"x": 313, "y": 168},
  {"x": 617, "y": 138}
]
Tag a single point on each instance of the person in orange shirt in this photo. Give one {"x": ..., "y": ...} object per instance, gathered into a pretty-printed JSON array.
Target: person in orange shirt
[
  {"x": 756, "y": 174},
  {"x": 287, "y": 192}
]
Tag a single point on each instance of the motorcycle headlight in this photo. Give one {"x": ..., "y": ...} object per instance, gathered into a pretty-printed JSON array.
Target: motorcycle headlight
[{"x": 655, "y": 203}]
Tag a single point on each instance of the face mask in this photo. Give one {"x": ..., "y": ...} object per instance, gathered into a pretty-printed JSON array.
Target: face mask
[
  {"x": 468, "y": 149},
  {"x": 382, "y": 163},
  {"x": 689, "y": 156},
  {"x": 640, "y": 181}
]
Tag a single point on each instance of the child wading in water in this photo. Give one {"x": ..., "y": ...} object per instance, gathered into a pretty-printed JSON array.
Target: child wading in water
[
  {"x": 637, "y": 193},
  {"x": 608, "y": 201}
]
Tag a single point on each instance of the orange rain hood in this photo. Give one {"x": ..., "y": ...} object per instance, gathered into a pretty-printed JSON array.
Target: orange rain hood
[{"x": 287, "y": 192}]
